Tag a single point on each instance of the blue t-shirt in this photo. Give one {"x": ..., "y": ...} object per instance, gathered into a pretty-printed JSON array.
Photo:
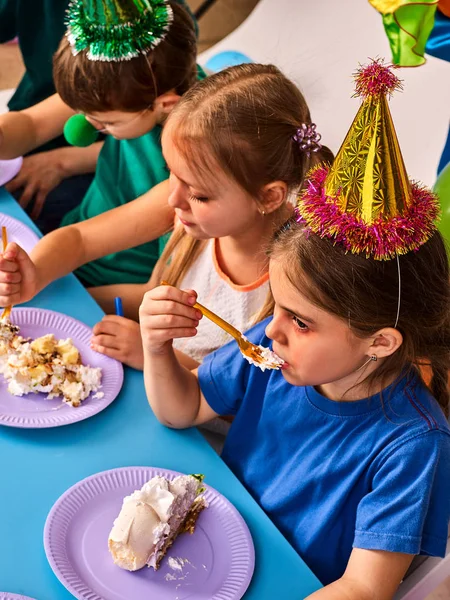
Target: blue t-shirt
[{"x": 372, "y": 474}]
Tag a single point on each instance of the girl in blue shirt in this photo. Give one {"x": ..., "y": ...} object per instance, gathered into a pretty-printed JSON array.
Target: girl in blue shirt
[{"x": 346, "y": 448}]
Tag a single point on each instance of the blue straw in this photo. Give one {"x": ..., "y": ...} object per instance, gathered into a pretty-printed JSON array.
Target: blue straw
[{"x": 119, "y": 307}]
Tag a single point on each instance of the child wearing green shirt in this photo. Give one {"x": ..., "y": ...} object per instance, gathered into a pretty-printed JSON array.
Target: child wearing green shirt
[{"x": 127, "y": 97}]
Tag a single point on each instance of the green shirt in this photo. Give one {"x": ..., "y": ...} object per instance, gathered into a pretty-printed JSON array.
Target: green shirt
[{"x": 126, "y": 169}]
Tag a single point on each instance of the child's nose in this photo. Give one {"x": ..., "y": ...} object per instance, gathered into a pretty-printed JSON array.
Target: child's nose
[
  {"x": 274, "y": 332},
  {"x": 178, "y": 197}
]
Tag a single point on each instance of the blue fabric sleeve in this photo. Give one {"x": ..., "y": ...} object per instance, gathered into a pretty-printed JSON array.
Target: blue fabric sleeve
[
  {"x": 408, "y": 508},
  {"x": 224, "y": 374},
  {"x": 223, "y": 377}
]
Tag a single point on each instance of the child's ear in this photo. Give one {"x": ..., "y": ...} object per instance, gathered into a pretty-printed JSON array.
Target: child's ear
[
  {"x": 273, "y": 195},
  {"x": 385, "y": 342},
  {"x": 166, "y": 102}
]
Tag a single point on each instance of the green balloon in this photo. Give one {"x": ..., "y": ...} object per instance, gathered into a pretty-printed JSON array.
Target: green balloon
[
  {"x": 442, "y": 189},
  {"x": 79, "y": 132}
]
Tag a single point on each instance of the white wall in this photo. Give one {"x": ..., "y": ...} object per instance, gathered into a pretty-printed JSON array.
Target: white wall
[{"x": 319, "y": 43}]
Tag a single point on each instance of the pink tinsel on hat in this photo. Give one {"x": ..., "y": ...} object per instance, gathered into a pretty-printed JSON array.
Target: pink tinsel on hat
[{"x": 384, "y": 238}]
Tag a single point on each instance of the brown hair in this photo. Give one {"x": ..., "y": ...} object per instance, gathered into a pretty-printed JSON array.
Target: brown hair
[
  {"x": 130, "y": 85},
  {"x": 364, "y": 293},
  {"x": 244, "y": 119}
]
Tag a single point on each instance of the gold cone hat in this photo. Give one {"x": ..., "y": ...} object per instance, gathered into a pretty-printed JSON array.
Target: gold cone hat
[
  {"x": 369, "y": 174},
  {"x": 365, "y": 200}
]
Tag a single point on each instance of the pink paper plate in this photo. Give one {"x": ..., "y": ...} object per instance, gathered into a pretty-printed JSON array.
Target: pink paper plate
[
  {"x": 7, "y": 596},
  {"x": 9, "y": 169},
  {"x": 18, "y": 232},
  {"x": 218, "y": 557},
  {"x": 34, "y": 410}
]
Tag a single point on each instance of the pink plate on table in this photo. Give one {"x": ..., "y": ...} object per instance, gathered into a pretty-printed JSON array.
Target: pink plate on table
[
  {"x": 217, "y": 560},
  {"x": 19, "y": 232},
  {"x": 7, "y": 596},
  {"x": 9, "y": 169},
  {"x": 34, "y": 410}
]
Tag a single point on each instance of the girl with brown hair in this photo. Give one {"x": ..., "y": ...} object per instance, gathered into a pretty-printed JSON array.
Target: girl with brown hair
[
  {"x": 237, "y": 145},
  {"x": 345, "y": 447}
]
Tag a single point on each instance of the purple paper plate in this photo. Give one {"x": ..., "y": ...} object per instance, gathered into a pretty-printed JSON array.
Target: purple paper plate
[
  {"x": 7, "y": 596},
  {"x": 219, "y": 557},
  {"x": 9, "y": 169},
  {"x": 18, "y": 232},
  {"x": 34, "y": 410}
]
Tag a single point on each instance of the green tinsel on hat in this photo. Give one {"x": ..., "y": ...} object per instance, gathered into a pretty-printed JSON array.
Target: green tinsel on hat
[{"x": 117, "y": 30}]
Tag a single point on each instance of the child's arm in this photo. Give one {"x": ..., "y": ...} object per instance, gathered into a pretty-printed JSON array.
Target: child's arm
[
  {"x": 370, "y": 575},
  {"x": 172, "y": 390},
  {"x": 21, "y": 132},
  {"x": 43, "y": 172},
  {"x": 65, "y": 249}
]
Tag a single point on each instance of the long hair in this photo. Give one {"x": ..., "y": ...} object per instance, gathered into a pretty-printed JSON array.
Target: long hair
[
  {"x": 241, "y": 120},
  {"x": 364, "y": 293}
]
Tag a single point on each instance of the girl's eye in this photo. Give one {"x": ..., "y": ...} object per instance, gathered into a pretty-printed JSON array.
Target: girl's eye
[
  {"x": 299, "y": 324},
  {"x": 199, "y": 198}
]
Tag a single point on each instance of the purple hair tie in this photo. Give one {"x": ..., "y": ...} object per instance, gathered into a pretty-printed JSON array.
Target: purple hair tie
[{"x": 308, "y": 138}]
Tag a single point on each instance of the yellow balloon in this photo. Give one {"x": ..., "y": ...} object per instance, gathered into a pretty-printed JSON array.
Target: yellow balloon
[{"x": 386, "y": 6}]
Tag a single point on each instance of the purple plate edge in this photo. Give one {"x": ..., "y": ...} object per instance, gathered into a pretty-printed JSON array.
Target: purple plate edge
[
  {"x": 60, "y": 500},
  {"x": 97, "y": 409}
]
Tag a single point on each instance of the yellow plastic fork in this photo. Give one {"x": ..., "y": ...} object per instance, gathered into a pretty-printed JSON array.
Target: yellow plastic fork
[
  {"x": 247, "y": 348},
  {"x": 7, "y": 311}
]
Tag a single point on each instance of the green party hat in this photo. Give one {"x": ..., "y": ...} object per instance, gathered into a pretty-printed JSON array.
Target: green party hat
[{"x": 117, "y": 30}]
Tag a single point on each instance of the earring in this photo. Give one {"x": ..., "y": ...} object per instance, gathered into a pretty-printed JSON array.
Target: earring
[
  {"x": 262, "y": 213},
  {"x": 373, "y": 358}
]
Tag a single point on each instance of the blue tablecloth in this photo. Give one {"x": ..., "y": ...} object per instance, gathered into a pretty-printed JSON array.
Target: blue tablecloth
[{"x": 37, "y": 466}]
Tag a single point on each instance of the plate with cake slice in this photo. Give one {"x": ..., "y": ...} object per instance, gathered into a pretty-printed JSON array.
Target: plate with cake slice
[
  {"x": 49, "y": 374},
  {"x": 143, "y": 532}
]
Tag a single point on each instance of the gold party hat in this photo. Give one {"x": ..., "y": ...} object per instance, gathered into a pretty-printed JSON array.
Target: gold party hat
[
  {"x": 369, "y": 173},
  {"x": 365, "y": 200}
]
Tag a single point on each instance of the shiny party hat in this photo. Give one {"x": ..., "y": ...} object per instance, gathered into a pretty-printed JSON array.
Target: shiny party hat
[
  {"x": 117, "y": 30},
  {"x": 365, "y": 201}
]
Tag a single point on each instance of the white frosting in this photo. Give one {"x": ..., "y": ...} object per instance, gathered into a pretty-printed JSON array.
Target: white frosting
[
  {"x": 132, "y": 537},
  {"x": 147, "y": 518},
  {"x": 270, "y": 360},
  {"x": 155, "y": 493}
]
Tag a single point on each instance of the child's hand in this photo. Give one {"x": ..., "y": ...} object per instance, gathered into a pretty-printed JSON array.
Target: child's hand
[
  {"x": 39, "y": 175},
  {"x": 167, "y": 313},
  {"x": 18, "y": 276},
  {"x": 119, "y": 338}
]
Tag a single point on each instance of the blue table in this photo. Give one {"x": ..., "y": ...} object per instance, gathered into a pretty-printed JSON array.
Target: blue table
[{"x": 37, "y": 466}]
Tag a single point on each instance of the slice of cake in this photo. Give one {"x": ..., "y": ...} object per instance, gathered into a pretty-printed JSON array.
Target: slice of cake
[
  {"x": 45, "y": 365},
  {"x": 151, "y": 519}
]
